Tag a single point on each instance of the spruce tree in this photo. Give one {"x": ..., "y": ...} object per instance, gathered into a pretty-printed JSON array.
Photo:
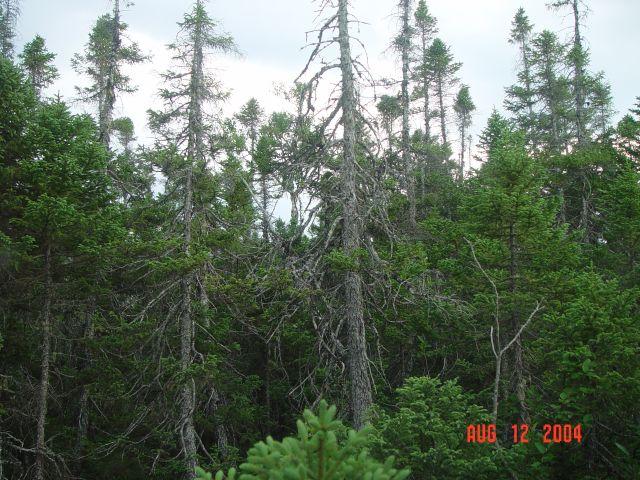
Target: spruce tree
[
  {"x": 578, "y": 59},
  {"x": 251, "y": 117},
  {"x": 404, "y": 45},
  {"x": 102, "y": 61},
  {"x": 426, "y": 28},
  {"x": 443, "y": 70},
  {"x": 552, "y": 90},
  {"x": 463, "y": 108},
  {"x": 185, "y": 128},
  {"x": 521, "y": 97},
  {"x": 37, "y": 62},
  {"x": 9, "y": 11}
]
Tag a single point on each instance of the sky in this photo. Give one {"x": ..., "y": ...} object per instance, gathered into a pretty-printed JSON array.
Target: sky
[{"x": 271, "y": 33}]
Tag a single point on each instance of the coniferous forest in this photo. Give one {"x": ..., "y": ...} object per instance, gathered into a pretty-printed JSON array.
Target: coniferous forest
[{"x": 352, "y": 287}]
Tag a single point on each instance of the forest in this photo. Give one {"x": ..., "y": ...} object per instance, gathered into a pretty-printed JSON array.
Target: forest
[{"x": 351, "y": 287}]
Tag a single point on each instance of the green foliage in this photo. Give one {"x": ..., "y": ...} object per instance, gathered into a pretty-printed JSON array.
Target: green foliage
[
  {"x": 589, "y": 352},
  {"x": 247, "y": 307},
  {"x": 37, "y": 62},
  {"x": 324, "y": 449},
  {"x": 425, "y": 431}
]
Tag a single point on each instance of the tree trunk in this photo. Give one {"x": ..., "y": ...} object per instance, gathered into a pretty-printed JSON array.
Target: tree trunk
[
  {"x": 526, "y": 65},
  {"x": 580, "y": 120},
  {"x": 443, "y": 119},
  {"x": 518, "y": 363},
  {"x": 425, "y": 91},
  {"x": 462, "y": 139},
  {"x": 406, "y": 143},
  {"x": 553, "y": 111},
  {"x": 109, "y": 93},
  {"x": 44, "y": 367},
  {"x": 496, "y": 387},
  {"x": 361, "y": 398},
  {"x": 107, "y": 100},
  {"x": 83, "y": 414},
  {"x": 578, "y": 76},
  {"x": 194, "y": 152}
]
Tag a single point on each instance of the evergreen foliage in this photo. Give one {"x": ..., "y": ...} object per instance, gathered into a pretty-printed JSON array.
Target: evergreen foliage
[{"x": 160, "y": 310}]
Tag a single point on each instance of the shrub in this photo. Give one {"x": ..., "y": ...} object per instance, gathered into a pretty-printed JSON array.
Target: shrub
[{"x": 323, "y": 450}]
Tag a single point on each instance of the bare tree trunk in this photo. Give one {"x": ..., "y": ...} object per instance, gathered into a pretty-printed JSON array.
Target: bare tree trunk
[
  {"x": 443, "y": 118},
  {"x": 496, "y": 388},
  {"x": 187, "y": 394},
  {"x": 216, "y": 400},
  {"x": 44, "y": 366},
  {"x": 580, "y": 120},
  {"x": 406, "y": 143},
  {"x": 584, "y": 211},
  {"x": 578, "y": 76},
  {"x": 425, "y": 92},
  {"x": 361, "y": 397},
  {"x": 194, "y": 152},
  {"x": 293, "y": 195},
  {"x": 462, "y": 139},
  {"x": 83, "y": 414}
]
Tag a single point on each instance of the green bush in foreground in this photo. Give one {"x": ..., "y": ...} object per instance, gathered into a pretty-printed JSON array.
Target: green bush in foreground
[
  {"x": 323, "y": 450},
  {"x": 426, "y": 432}
]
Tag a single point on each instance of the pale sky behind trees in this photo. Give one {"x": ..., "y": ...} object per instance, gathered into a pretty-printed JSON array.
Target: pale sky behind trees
[{"x": 271, "y": 33}]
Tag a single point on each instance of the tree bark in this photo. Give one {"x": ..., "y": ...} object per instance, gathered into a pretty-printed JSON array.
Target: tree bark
[
  {"x": 580, "y": 120},
  {"x": 360, "y": 396},
  {"x": 44, "y": 366},
  {"x": 406, "y": 143},
  {"x": 463, "y": 131},
  {"x": 496, "y": 388},
  {"x": 578, "y": 76},
  {"x": 83, "y": 414},
  {"x": 443, "y": 118},
  {"x": 194, "y": 152},
  {"x": 426, "y": 83}
]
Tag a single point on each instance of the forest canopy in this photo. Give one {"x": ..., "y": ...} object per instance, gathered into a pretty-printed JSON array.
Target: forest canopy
[{"x": 353, "y": 286}]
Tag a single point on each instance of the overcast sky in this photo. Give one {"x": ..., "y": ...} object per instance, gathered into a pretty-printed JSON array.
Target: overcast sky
[{"x": 270, "y": 34}]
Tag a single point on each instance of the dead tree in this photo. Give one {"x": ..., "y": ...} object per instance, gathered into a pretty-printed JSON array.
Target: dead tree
[
  {"x": 495, "y": 336},
  {"x": 347, "y": 113},
  {"x": 403, "y": 44},
  {"x": 45, "y": 366}
]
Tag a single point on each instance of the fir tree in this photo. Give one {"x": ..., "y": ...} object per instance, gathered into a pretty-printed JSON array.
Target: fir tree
[
  {"x": 463, "y": 108},
  {"x": 102, "y": 61},
  {"x": 426, "y": 28},
  {"x": 552, "y": 90},
  {"x": 521, "y": 97},
  {"x": 443, "y": 71},
  {"x": 185, "y": 127},
  {"x": 9, "y": 12},
  {"x": 37, "y": 62}
]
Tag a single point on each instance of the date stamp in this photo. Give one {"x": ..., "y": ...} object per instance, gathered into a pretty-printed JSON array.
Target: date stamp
[{"x": 551, "y": 433}]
